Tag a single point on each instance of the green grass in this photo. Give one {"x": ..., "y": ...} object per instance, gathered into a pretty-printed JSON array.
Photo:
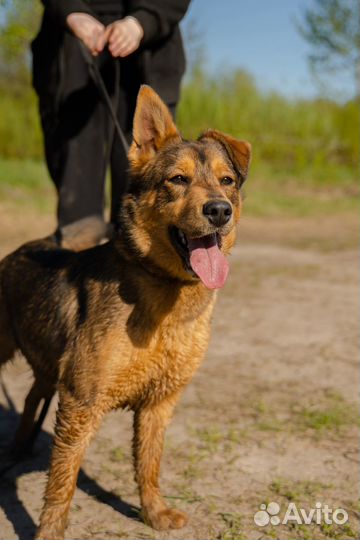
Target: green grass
[
  {"x": 323, "y": 531},
  {"x": 209, "y": 438},
  {"x": 297, "y": 491},
  {"x": 232, "y": 529},
  {"x": 276, "y": 199},
  {"x": 336, "y": 532},
  {"x": 184, "y": 493},
  {"x": 333, "y": 413},
  {"x": 332, "y": 417},
  {"x": 26, "y": 183},
  {"x": 24, "y": 174}
]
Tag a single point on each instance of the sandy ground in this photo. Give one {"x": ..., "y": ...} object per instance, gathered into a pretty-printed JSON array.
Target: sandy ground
[{"x": 271, "y": 415}]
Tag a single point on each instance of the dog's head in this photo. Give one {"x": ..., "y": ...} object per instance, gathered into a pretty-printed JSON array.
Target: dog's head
[{"x": 183, "y": 200}]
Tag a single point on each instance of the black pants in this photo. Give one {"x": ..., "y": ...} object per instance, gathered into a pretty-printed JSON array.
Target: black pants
[{"x": 79, "y": 136}]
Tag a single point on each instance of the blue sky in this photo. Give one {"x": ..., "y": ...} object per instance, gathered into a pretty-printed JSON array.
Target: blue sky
[{"x": 260, "y": 36}]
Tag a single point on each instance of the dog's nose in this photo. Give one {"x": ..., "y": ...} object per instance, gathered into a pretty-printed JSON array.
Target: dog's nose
[{"x": 217, "y": 212}]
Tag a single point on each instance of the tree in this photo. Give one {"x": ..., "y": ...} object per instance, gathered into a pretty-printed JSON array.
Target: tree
[
  {"x": 332, "y": 28},
  {"x": 19, "y": 21}
]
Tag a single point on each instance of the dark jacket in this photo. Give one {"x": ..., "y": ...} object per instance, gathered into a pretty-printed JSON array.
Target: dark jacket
[{"x": 160, "y": 58}]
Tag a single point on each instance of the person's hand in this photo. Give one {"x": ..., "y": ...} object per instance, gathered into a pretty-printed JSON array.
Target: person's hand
[
  {"x": 124, "y": 36},
  {"x": 89, "y": 30}
]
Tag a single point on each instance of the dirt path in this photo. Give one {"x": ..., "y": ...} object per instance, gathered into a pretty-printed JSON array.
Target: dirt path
[{"x": 270, "y": 417}]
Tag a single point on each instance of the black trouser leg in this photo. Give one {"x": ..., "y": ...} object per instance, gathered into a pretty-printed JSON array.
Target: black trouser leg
[
  {"x": 81, "y": 189},
  {"x": 76, "y": 133}
]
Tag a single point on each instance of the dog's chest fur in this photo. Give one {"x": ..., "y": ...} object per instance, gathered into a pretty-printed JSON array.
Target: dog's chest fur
[{"x": 147, "y": 346}]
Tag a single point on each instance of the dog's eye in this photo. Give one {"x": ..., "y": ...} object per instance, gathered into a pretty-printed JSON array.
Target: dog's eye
[
  {"x": 226, "y": 181},
  {"x": 179, "y": 179}
]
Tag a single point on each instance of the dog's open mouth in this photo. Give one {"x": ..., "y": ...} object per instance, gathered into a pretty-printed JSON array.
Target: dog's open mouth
[{"x": 202, "y": 256}]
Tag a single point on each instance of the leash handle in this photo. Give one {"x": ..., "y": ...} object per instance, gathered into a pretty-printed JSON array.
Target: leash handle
[{"x": 99, "y": 82}]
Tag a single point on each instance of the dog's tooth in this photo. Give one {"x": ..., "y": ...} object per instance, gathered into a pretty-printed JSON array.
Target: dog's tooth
[{"x": 182, "y": 237}]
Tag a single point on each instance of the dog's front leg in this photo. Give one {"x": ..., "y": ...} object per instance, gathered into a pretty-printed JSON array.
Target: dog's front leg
[
  {"x": 150, "y": 422},
  {"x": 75, "y": 424}
]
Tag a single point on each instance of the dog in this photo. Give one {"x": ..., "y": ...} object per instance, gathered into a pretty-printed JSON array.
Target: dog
[{"x": 126, "y": 324}]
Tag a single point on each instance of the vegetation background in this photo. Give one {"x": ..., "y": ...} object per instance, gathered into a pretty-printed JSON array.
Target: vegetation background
[{"x": 305, "y": 151}]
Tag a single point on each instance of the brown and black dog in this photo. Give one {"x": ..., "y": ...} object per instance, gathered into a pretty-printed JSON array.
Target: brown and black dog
[{"x": 126, "y": 324}]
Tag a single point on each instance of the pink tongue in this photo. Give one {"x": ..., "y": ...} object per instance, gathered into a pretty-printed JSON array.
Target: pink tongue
[{"x": 207, "y": 261}]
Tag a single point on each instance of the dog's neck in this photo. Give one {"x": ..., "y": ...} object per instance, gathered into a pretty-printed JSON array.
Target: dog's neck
[
  {"x": 127, "y": 249},
  {"x": 191, "y": 291}
]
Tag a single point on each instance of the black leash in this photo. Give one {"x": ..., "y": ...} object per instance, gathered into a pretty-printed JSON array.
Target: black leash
[{"x": 99, "y": 82}]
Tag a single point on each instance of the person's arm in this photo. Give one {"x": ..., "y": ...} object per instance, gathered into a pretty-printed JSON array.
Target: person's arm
[
  {"x": 157, "y": 18},
  {"x": 147, "y": 22},
  {"x": 79, "y": 18}
]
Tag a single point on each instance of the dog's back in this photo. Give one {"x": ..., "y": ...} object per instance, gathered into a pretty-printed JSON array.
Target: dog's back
[
  {"x": 26, "y": 279},
  {"x": 44, "y": 297}
]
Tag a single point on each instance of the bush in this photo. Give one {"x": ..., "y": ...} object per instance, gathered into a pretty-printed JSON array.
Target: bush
[
  {"x": 317, "y": 139},
  {"x": 312, "y": 141},
  {"x": 20, "y": 133}
]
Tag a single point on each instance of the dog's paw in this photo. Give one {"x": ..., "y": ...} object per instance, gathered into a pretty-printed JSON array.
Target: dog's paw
[{"x": 170, "y": 518}]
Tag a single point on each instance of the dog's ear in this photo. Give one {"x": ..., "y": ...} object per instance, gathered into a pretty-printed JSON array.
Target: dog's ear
[
  {"x": 153, "y": 126},
  {"x": 238, "y": 151}
]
